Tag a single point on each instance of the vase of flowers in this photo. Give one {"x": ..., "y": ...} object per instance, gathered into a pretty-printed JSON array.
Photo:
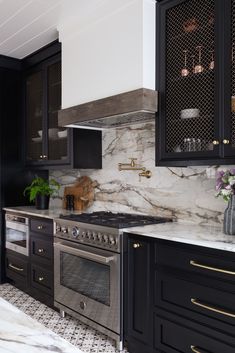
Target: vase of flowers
[{"x": 225, "y": 187}]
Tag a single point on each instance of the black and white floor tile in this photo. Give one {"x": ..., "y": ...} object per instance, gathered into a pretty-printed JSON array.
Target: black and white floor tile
[{"x": 72, "y": 330}]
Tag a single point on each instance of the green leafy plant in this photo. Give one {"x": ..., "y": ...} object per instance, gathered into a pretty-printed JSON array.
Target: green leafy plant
[{"x": 43, "y": 187}]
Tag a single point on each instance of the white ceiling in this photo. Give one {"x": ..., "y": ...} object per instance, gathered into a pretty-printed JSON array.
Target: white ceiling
[{"x": 28, "y": 25}]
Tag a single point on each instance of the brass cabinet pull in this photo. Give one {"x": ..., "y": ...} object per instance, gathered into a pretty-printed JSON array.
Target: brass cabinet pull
[
  {"x": 16, "y": 268},
  {"x": 215, "y": 142},
  {"x": 41, "y": 251},
  {"x": 226, "y": 142},
  {"x": 40, "y": 227},
  {"x": 194, "y": 349},
  {"x": 41, "y": 279},
  {"x": 136, "y": 245},
  {"x": 211, "y": 308},
  {"x": 215, "y": 269}
]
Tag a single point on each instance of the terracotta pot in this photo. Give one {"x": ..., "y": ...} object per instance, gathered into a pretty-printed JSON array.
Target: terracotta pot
[
  {"x": 229, "y": 217},
  {"x": 42, "y": 202}
]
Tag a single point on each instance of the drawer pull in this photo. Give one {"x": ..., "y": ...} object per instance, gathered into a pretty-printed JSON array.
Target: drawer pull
[
  {"x": 41, "y": 250},
  {"x": 196, "y": 264},
  {"x": 194, "y": 349},
  {"x": 40, "y": 279},
  {"x": 136, "y": 245},
  {"x": 39, "y": 227},
  {"x": 16, "y": 268},
  {"x": 211, "y": 308}
]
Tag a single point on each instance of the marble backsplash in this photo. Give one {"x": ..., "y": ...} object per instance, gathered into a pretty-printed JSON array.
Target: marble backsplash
[{"x": 183, "y": 193}]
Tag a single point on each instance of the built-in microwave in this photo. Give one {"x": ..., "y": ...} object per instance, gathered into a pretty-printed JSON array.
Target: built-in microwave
[{"x": 17, "y": 233}]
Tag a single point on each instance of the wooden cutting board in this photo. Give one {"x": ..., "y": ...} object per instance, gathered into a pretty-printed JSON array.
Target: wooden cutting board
[{"x": 83, "y": 191}]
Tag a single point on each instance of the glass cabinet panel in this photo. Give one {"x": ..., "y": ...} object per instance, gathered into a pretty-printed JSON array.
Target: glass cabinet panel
[
  {"x": 190, "y": 77},
  {"x": 34, "y": 112},
  {"x": 57, "y": 137}
]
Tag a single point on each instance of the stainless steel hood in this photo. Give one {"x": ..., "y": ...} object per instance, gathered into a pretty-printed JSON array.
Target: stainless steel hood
[{"x": 112, "y": 112}]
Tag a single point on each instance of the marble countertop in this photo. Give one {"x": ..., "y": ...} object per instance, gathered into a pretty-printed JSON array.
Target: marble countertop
[
  {"x": 32, "y": 211},
  {"x": 21, "y": 333},
  {"x": 207, "y": 236}
]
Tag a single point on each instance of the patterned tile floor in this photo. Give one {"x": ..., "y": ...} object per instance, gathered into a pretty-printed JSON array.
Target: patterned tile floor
[{"x": 72, "y": 330}]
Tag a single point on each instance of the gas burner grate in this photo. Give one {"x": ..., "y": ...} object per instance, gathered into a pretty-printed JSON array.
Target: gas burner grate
[{"x": 115, "y": 220}]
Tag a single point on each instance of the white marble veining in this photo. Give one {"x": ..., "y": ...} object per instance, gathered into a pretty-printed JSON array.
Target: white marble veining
[
  {"x": 183, "y": 193},
  {"x": 209, "y": 236},
  {"x": 22, "y": 334},
  {"x": 52, "y": 213}
]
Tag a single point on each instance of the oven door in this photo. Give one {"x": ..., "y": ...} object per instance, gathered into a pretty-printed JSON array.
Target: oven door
[
  {"x": 87, "y": 280},
  {"x": 17, "y": 237}
]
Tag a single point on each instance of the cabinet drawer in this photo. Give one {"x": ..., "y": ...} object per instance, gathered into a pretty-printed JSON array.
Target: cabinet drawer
[
  {"x": 16, "y": 265},
  {"x": 42, "y": 279},
  {"x": 41, "y": 226},
  {"x": 203, "y": 304},
  {"x": 195, "y": 260},
  {"x": 174, "y": 337},
  {"x": 41, "y": 249}
]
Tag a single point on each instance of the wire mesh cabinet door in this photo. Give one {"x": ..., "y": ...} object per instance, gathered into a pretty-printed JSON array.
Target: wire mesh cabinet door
[
  {"x": 228, "y": 135},
  {"x": 188, "y": 72}
]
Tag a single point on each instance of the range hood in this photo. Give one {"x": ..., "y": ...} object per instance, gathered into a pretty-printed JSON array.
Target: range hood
[{"x": 124, "y": 109}]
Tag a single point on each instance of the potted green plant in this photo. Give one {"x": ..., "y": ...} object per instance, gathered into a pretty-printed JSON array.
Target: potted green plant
[{"x": 40, "y": 191}]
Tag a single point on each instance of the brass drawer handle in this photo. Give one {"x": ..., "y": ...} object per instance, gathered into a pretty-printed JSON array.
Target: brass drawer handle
[
  {"x": 196, "y": 264},
  {"x": 211, "y": 308},
  {"x": 194, "y": 349},
  {"x": 136, "y": 245},
  {"x": 40, "y": 227},
  {"x": 16, "y": 268},
  {"x": 40, "y": 279},
  {"x": 226, "y": 142},
  {"x": 41, "y": 250},
  {"x": 215, "y": 142}
]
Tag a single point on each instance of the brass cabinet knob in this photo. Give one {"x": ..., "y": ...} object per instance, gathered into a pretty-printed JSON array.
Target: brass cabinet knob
[
  {"x": 44, "y": 156},
  {"x": 195, "y": 349},
  {"x": 226, "y": 142},
  {"x": 41, "y": 156},
  {"x": 39, "y": 227},
  {"x": 40, "y": 279},
  {"x": 136, "y": 245},
  {"x": 215, "y": 142},
  {"x": 41, "y": 251}
]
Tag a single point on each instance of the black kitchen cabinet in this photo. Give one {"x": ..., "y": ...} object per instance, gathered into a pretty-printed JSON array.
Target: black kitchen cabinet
[
  {"x": 196, "y": 83},
  {"x": 34, "y": 274},
  {"x": 138, "y": 306},
  {"x": 178, "y": 297},
  {"x": 48, "y": 145},
  {"x": 41, "y": 260}
]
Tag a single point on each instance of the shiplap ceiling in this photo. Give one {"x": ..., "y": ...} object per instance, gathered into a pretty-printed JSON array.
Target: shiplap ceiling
[{"x": 28, "y": 25}]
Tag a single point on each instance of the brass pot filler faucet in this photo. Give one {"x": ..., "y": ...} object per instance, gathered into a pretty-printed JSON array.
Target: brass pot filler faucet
[{"x": 134, "y": 166}]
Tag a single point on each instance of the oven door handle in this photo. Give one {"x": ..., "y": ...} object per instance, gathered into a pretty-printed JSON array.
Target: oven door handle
[{"x": 85, "y": 254}]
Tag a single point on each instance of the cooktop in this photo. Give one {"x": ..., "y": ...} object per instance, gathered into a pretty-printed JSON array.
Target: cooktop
[{"x": 115, "y": 220}]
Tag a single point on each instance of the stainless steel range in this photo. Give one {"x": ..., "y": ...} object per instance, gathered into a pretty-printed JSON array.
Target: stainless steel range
[{"x": 88, "y": 267}]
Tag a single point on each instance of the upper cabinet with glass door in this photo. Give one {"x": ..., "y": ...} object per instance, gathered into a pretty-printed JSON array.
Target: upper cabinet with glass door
[
  {"x": 46, "y": 142},
  {"x": 191, "y": 80}
]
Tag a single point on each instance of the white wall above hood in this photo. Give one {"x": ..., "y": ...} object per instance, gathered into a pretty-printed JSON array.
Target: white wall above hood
[{"x": 107, "y": 51}]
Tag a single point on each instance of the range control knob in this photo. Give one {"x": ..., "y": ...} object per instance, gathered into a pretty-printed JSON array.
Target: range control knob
[
  {"x": 75, "y": 232},
  {"x": 58, "y": 228},
  {"x": 64, "y": 230},
  {"x": 112, "y": 241},
  {"x": 94, "y": 235},
  {"x": 99, "y": 236},
  {"x": 88, "y": 235},
  {"x": 83, "y": 234},
  {"x": 106, "y": 239}
]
